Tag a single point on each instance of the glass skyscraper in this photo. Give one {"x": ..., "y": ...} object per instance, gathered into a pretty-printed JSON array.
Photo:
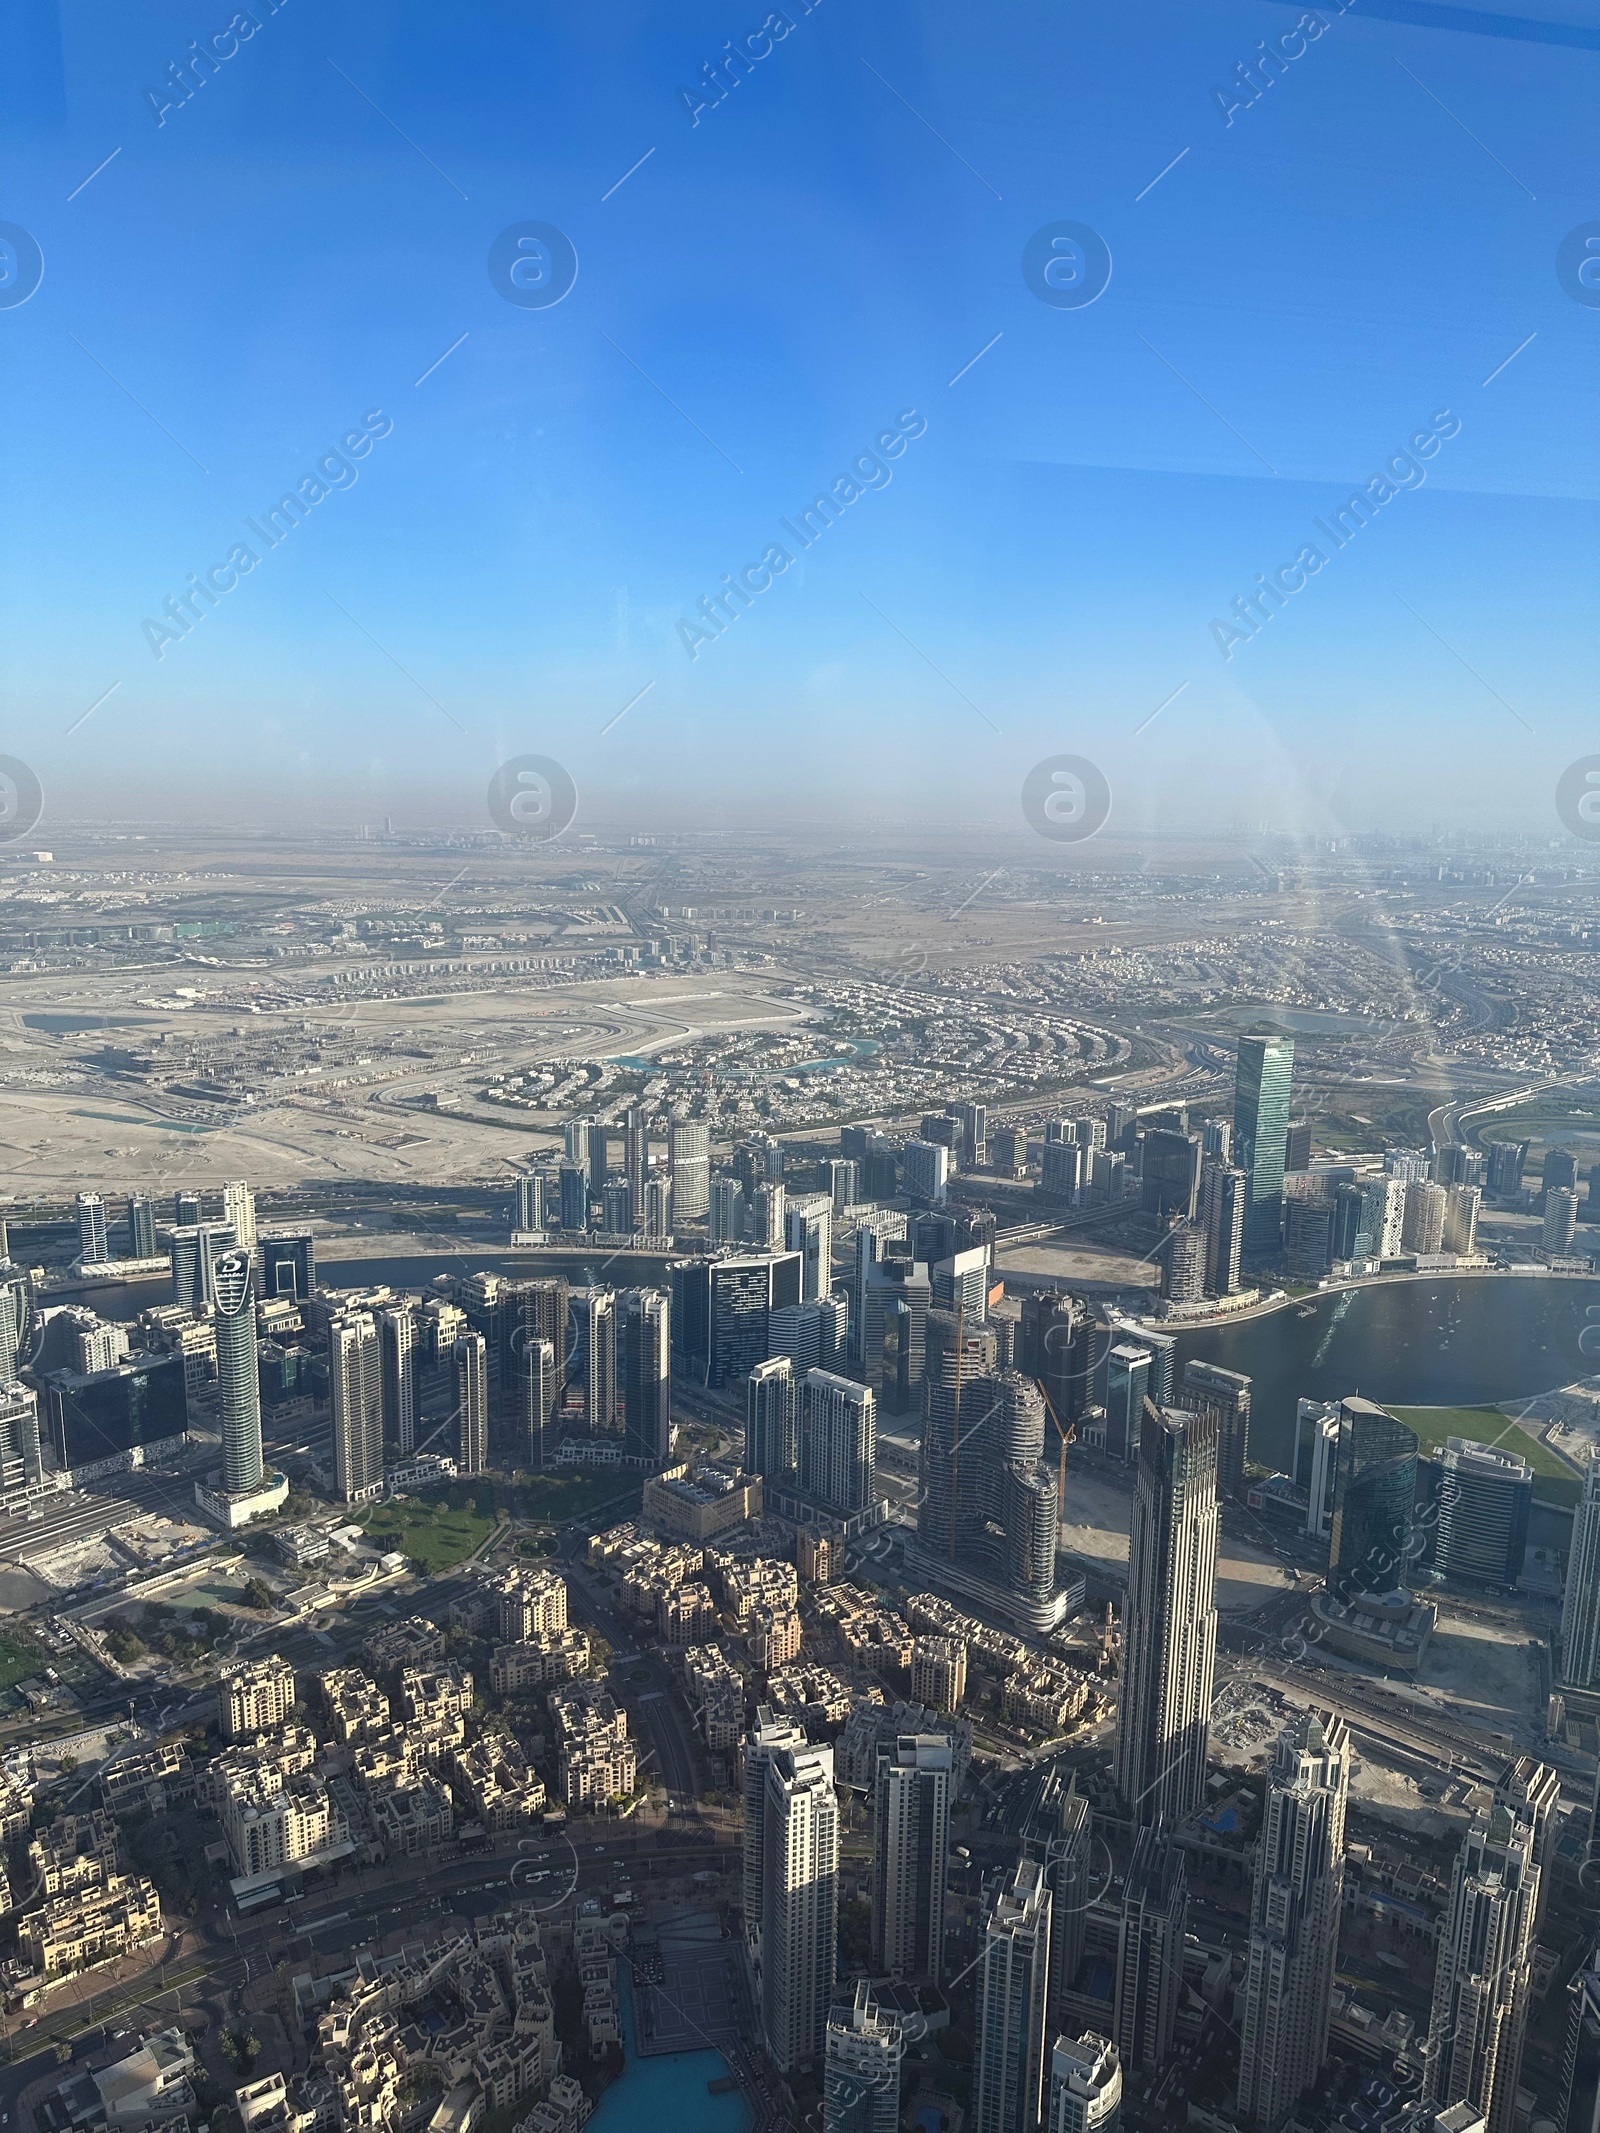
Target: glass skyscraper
[
  {"x": 1260, "y": 1133},
  {"x": 1374, "y": 1498},
  {"x": 237, "y": 1381}
]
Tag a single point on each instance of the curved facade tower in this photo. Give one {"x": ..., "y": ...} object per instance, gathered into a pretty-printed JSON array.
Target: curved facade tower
[{"x": 238, "y": 1381}]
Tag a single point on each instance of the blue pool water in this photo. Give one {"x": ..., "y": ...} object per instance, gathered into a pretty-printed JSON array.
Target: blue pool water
[{"x": 667, "y": 2095}]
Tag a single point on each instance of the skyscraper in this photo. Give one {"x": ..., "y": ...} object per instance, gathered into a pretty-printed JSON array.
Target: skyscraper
[
  {"x": 17, "y": 1319},
  {"x": 927, "y": 1171},
  {"x": 1150, "y": 1932},
  {"x": 1224, "y": 1195},
  {"x": 1183, "y": 1269},
  {"x": 471, "y": 1355},
  {"x": 1008, "y": 2083},
  {"x": 1560, "y": 1218},
  {"x": 1260, "y": 1130},
  {"x": 594, "y": 1357},
  {"x": 760, "y": 1745},
  {"x": 534, "y": 1337},
  {"x": 193, "y": 1251},
  {"x": 861, "y": 2077},
  {"x": 1580, "y": 1598},
  {"x": 1422, "y": 1229},
  {"x": 910, "y": 1855},
  {"x": 289, "y": 1264},
  {"x": 397, "y": 1344},
  {"x": 238, "y": 1379},
  {"x": 772, "y": 1419},
  {"x": 838, "y": 1441},
  {"x": 972, "y": 1132},
  {"x": 800, "y": 1904},
  {"x": 1169, "y": 1640},
  {"x": 1374, "y": 1496},
  {"x": 530, "y": 1211},
  {"x": 1294, "y": 1917},
  {"x": 572, "y": 1191},
  {"x": 1085, "y": 2085},
  {"x": 1064, "y": 1823},
  {"x": 92, "y": 1245},
  {"x": 726, "y": 1218},
  {"x": 689, "y": 1161},
  {"x": 1482, "y": 1495},
  {"x": 1170, "y": 1181},
  {"x": 355, "y": 1390},
  {"x": 141, "y": 1226},
  {"x": 636, "y": 1153},
  {"x": 657, "y": 1213},
  {"x": 1224, "y": 1395},
  {"x": 1482, "y": 1981},
  {"x": 239, "y": 1209},
  {"x": 808, "y": 1230},
  {"x": 1127, "y": 1388},
  {"x": 1580, "y": 2064},
  {"x": 644, "y": 1368}
]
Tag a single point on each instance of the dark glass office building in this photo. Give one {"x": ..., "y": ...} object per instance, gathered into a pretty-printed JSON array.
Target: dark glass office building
[
  {"x": 98, "y": 1416},
  {"x": 1374, "y": 1502}
]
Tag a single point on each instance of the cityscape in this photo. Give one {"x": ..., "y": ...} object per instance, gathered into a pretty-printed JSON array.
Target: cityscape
[
  {"x": 799, "y": 1068},
  {"x": 984, "y": 1543}
]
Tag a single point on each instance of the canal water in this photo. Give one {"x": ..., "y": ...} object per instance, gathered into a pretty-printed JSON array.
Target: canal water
[{"x": 1452, "y": 1342}]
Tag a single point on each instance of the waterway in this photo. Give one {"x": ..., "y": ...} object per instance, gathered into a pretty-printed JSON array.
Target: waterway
[
  {"x": 667, "y": 2095},
  {"x": 1451, "y": 1342}
]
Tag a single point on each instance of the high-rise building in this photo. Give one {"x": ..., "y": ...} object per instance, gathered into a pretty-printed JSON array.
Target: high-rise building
[
  {"x": 1507, "y": 1160},
  {"x": 595, "y": 1154},
  {"x": 616, "y": 1208},
  {"x": 861, "y": 2074},
  {"x": 1461, "y": 1219},
  {"x": 1224, "y": 1193},
  {"x": 238, "y": 1376},
  {"x": 472, "y": 1404},
  {"x": 18, "y": 1319},
  {"x": 1423, "y": 1227},
  {"x": 1294, "y": 1917},
  {"x": 1260, "y": 1134},
  {"x": 1062, "y": 1171},
  {"x": 1481, "y": 1498},
  {"x": 988, "y": 1510},
  {"x": 529, "y": 1214},
  {"x": 972, "y": 1133},
  {"x": 772, "y": 1419},
  {"x": 288, "y": 1264},
  {"x": 141, "y": 1226},
  {"x": 1316, "y": 1461},
  {"x": 1183, "y": 1264},
  {"x": 1217, "y": 1136},
  {"x": 397, "y": 1348},
  {"x": 1127, "y": 1389},
  {"x": 1169, "y": 1641},
  {"x": 765, "y": 1215},
  {"x": 657, "y": 1207},
  {"x": 1560, "y": 1218},
  {"x": 1532, "y": 1791},
  {"x": 1374, "y": 1498},
  {"x": 1150, "y": 1933},
  {"x": 766, "y": 1736},
  {"x": 1308, "y": 1237},
  {"x": 644, "y": 1368},
  {"x": 843, "y": 1182},
  {"x": 1580, "y": 2063},
  {"x": 21, "y": 1454},
  {"x": 910, "y": 1855},
  {"x": 926, "y": 1168},
  {"x": 1008, "y": 2080},
  {"x": 1483, "y": 1975},
  {"x": 185, "y": 1209},
  {"x": 572, "y": 1192},
  {"x": 92, "y": 1244},
  {"x": 1170, "y": 1180},
  {"x": 689, "y": 1162},
  {"x": 726, "y": 1219},
  {"x": 1085, "y": 2085},
  {"x": 1225, "y": 1395},
  {"x": 636, "y": 1152},
  {"x": 1297, "y": 1145},
  {"x": 799, "y": 1904},
  {"x": 1560, "y": 1172},
  {"x": 808, "y": 1230},
  {"x": 1580, "y": 1598},
  {"x": 239, "y": 1210},
  {"x": 594, "y": 1358},
  {"x": 1063, "y": 1822},
  {"x": 838, "y": 1441},
  {"x": 193, "y": 1251},
  {"x": 534, "y": 1337},
  {"x": 355, "y": 1391}
]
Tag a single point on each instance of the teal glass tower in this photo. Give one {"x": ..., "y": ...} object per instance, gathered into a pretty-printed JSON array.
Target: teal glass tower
[{"x": 1260, "y": 1130}]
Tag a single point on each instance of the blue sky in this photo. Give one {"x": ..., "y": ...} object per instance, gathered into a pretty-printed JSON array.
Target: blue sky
[{"x": 772, "y": 287}]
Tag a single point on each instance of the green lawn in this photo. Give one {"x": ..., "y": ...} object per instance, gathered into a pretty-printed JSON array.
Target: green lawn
[
  {"x": 440, "y": 1529},
  {"x": 20, "y": 1656},
  {"x": 1553, "y": 1480}
]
